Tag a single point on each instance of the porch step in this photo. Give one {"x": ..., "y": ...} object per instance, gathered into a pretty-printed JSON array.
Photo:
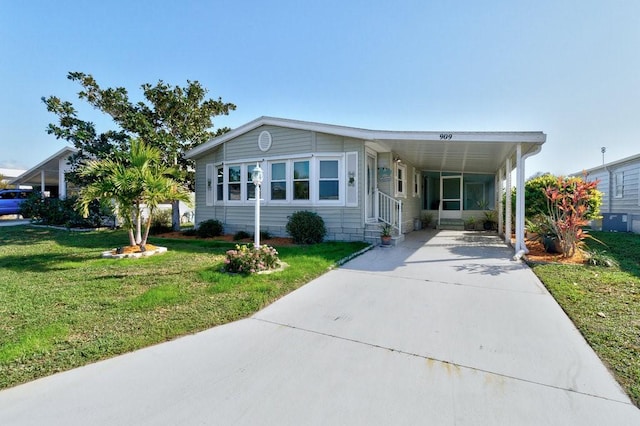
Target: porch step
[
  {"x": 452, "y": 224},
  {"x": 372, "y": 235}
]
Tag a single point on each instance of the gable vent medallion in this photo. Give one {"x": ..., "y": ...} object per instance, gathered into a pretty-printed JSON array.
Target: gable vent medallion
[{"x": 264, "y": 141}]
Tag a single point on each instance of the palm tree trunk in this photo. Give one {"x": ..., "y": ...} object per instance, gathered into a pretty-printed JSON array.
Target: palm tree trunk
[
  {"x": 132, "y": 240},
  {"x": 138, "y": 224},
  {"x": 146, "y": 230},
  {"x": 175, "y": 215}
]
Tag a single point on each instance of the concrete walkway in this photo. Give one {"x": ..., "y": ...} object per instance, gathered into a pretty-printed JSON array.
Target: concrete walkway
[{"x": 441, "y": 330}]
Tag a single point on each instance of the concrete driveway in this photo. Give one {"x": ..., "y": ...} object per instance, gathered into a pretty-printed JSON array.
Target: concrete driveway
[
  {"x": 442, "y": 330},
  {"x": 10, "y": 221}
]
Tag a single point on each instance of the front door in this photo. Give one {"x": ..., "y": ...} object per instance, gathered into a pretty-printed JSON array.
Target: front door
[
  {"x": 370, "y": 202},
  {"x": 451, "y": 190}
]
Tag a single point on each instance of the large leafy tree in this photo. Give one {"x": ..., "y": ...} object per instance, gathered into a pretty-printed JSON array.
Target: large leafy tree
[
  {"x": 132, "y": 181},
  {"x": 173, "y": 119}
]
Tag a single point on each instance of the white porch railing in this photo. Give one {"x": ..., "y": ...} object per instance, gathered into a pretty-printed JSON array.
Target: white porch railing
[{"x": 389, "y": 210}]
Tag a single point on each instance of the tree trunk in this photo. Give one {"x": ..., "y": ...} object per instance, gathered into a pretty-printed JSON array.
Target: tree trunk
[
  {"x": 146, "y": 230},
  {"x": 132, "y": 240},
  {"x": 175, "y": 215},
  {"x": 138, "y": 224}
]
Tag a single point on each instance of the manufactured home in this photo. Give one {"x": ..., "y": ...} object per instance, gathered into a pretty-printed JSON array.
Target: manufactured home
[
  {"x": 357, "y": 178},
  {"x": 619, "y": 182}
]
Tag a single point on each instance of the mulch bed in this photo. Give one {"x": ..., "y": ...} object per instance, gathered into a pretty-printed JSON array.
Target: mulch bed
[
  {"x": 274, "y": 241},
  {"x": 537, "y": 254}
]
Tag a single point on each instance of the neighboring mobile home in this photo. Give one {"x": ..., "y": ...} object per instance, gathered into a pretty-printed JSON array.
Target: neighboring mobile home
[
  {"x": 620, "y": 186},
  {"x": 356, "y": 178}
]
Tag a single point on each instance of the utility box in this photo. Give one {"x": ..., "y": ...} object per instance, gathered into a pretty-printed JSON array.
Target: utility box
[{"x": 615, "y": 222}]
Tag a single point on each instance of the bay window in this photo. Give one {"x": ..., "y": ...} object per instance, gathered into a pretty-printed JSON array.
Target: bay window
[{"x": 310, "y": 180}]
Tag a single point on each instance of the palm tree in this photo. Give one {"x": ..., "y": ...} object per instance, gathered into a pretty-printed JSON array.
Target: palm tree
[{"x": 131, "y": 181}]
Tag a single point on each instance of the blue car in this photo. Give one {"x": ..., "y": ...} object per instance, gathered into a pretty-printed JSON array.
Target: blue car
[{"x": 10, "y": 200}]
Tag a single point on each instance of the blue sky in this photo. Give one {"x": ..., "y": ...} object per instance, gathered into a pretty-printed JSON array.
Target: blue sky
[{"x": 569, "y": 68}]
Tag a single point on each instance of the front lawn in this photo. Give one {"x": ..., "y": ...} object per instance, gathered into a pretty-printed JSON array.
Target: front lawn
[
  {"x": 62, "y": 306},
  {"x": 604, "y": 303}
]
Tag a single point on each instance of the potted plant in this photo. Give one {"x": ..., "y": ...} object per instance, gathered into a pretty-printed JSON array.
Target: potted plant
[
  {"x": 427, "y": 218},
  {"x": 385, "y": 234},
  {"x": 470, "y": 224},
  {"x": 490, "y": 221}
]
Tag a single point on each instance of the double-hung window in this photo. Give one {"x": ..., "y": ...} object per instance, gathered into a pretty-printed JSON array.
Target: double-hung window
[
  {"x": 234, "y": 187},
  {"x": 301, "y": 180},
  {"x": 401, "y": 180},
  {"x": 251, "y": 188},
  {"x": 329, "y": 180},
  {"x": 279, "y": 181},
  {"x": 220, "y": 183},
  {"x": 618, "y": 184}
]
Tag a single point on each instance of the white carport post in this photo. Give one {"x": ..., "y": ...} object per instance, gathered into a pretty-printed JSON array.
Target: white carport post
[
  {"x": 520, "y": 245},
  {"x": 500, "y": 203},
  {"x": 507, "y": 225},
  {"x": 42, "y": 183}
]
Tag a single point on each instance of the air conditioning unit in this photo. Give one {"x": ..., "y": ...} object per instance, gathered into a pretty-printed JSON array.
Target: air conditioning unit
[{"x": 615, "y": 222}]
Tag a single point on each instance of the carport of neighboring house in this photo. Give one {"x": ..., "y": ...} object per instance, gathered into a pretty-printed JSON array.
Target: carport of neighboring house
[{"x": 48, "y": 174}]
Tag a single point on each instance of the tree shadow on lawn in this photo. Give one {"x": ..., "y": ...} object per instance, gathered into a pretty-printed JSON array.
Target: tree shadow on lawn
[{"x": 45, "y": 262}]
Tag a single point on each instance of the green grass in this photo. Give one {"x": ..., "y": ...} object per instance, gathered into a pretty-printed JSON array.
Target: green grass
[
  {"x": 62, "y": 306},
  {"x": 604, "y": 303}
]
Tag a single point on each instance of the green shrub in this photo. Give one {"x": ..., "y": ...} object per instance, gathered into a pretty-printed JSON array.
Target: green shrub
[
  {"x": 241, "y": 235},
  {"x": 246, "y": 259},
  {"x": 264, "y": 235},
  {"x": 160, "y": 222},
  {"x": 210, "y": 228},
  {"x": 63, "y": 212},
  {"x": 306, "y": 227},
  {"x": 600, "y": 258},
  {"x": 190, "y": 232},
  {"x": 536, "y": 201}
]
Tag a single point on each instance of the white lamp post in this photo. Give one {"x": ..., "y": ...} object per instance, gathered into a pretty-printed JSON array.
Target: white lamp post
[{"x": 257, "y": 176}]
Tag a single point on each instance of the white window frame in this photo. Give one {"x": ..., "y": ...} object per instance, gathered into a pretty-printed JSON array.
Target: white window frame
[
  {"x": 316, "y": 181},
  {"x": 266, "y": 164},
  {"x": 403, "y": 168},
  {"x": 267, "y": 182},
  {"x": 618, "y": 184},
  {"x": 209, "y": 185},
  {"x": 227, "y": 183},
  {"x": 218, "y": 195},
  {"x": 417, "y": 181}
]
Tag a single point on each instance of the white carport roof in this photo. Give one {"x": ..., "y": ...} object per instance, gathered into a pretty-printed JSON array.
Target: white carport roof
[
  {"x": 428, "y": 150},
  {"x": 50, "y": 167}
]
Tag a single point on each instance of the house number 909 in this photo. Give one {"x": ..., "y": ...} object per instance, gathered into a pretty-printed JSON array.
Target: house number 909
[{"x": 446, "y": 136}]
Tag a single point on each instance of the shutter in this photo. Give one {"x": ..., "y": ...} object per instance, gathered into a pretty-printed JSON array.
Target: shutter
[
  {"x": 352, "y": 179},
  {"x": 209, "y": 185}
]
